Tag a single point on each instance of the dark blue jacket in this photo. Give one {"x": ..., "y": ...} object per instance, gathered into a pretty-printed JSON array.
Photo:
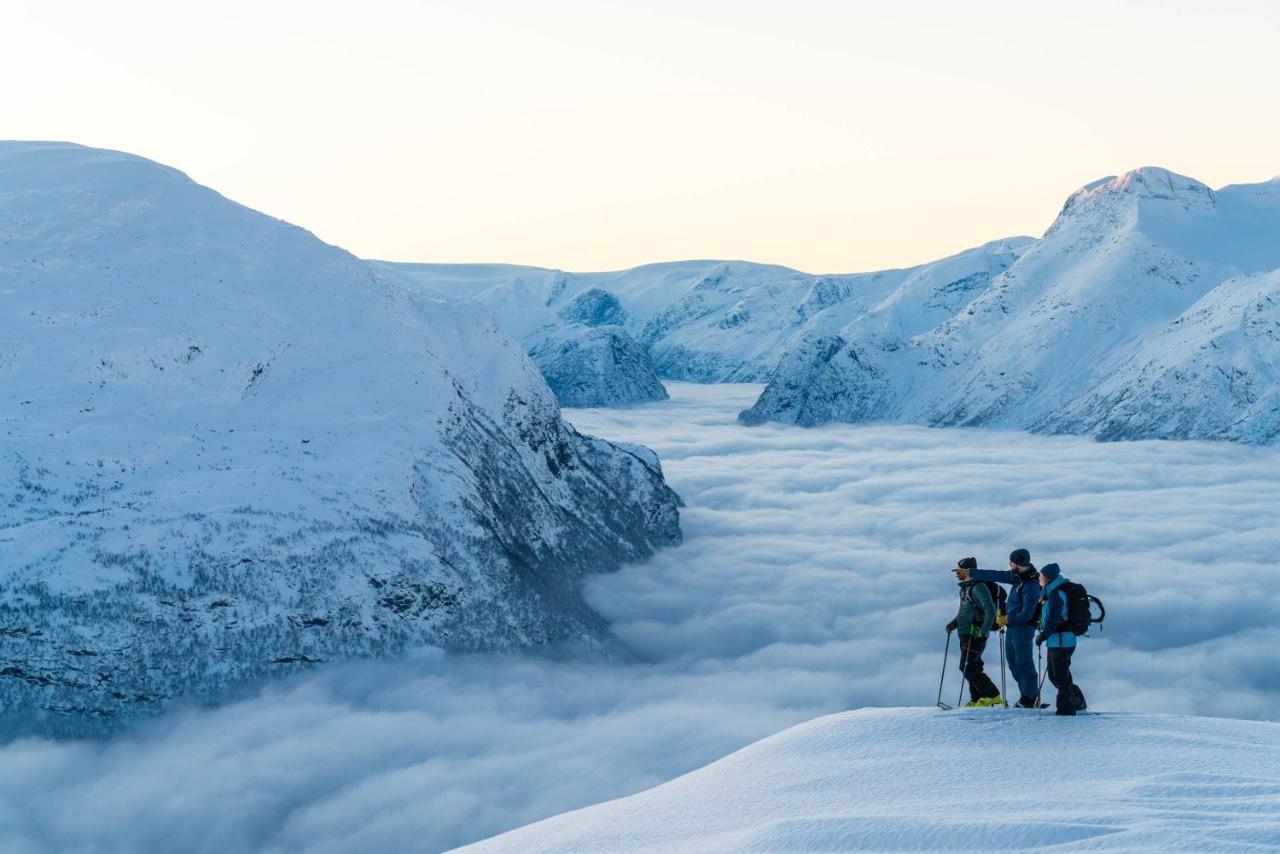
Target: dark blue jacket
[{"x": 1024, "y": 592}]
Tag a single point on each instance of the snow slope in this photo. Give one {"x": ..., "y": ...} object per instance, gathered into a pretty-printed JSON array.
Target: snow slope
[
  {"x": 231, "y": 450},
  {"x": 925, "y": 780},
  {"x": 1101, "y": 327}
]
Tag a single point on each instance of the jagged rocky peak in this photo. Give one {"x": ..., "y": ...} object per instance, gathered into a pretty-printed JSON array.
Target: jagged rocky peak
[{"x": 232, "y": 450}]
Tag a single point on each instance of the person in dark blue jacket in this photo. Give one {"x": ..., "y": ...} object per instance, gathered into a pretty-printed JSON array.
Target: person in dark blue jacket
[
  {"x": 1061, "y": 640},
  {"x": 1020, "y": 630}
]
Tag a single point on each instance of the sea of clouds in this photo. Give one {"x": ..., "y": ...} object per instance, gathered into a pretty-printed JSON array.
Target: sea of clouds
[{"x": 813, "y": 579}]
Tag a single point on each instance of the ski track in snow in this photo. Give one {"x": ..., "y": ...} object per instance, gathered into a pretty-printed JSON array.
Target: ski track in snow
[{"x": 813, "y": 579}]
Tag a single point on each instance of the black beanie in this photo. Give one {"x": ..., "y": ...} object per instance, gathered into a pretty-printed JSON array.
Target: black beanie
[
  {"x": 1021, "y": 557},
  {"x": 967, "y": 563}
]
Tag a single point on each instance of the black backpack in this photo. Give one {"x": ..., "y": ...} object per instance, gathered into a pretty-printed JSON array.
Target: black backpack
[
  {"x": 1001, "y": 597},
  {"x": 1079, "y": 609}
]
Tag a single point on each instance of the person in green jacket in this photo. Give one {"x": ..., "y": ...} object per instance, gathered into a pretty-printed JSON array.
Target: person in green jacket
[{"x": 973, "y": 623}]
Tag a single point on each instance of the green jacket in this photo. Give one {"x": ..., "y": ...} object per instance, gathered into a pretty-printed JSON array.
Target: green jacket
[{"x": 977, "y": 610}]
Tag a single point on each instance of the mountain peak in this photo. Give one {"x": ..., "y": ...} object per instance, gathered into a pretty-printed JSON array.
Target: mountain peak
[
  {"x": 1145, "y": 182},
  {"x": 1108, "y": 197}
]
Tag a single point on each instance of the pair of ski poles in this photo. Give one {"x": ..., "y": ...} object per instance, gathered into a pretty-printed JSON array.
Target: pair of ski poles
[{"x": 946, "y": 652}]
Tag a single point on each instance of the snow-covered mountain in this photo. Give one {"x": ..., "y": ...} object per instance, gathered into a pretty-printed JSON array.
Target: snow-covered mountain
[
  {"x": 1146, "y": 311},
  {"x": 581, "y": 346},
  {"x": 231, "y": 450},
  {"x": 708, "y": 321},
  {"x": 924, "y": 780},
  {"x": 1098, "y": 327}
]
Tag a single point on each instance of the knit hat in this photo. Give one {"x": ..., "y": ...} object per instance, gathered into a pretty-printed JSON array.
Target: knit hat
[
  {"x": 1050, "y": 571},
  {"x": 1021, "y": 557},
  {"x": 967, "y": 563}
]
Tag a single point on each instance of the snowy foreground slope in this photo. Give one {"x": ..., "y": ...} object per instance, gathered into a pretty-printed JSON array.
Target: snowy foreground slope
[
  {"x": 231, "y": 450},
  {"x": 1150, "y": 309},
  {"x": 924, "y": 780}
]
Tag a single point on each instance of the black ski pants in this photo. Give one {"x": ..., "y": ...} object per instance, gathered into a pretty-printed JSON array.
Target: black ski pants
[
  {"x": 1070, "y": 697},
  {"x": 980, "y": 684}
]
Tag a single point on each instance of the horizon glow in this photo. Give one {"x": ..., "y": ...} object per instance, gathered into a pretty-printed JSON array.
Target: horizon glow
[{"x": 830, "y": 137}]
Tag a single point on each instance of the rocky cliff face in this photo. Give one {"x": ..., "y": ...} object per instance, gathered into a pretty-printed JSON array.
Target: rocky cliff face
[
  {"x": 231, "y": 450},
  {"x": 1127, "y": 320},
  {"x": 595, "y": 366}
]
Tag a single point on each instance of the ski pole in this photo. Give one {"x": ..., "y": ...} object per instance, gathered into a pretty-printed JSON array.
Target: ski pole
[
  {"x": 1043, "y": 673},
  {"x": 1003, "y": 695},
  {"x": 946, "y": 651}
]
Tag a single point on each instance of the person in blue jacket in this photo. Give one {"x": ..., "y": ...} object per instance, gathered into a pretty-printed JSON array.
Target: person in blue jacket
[
  {"x": 1020, "y": 629},
  {"x": 1060, "y": 639}
]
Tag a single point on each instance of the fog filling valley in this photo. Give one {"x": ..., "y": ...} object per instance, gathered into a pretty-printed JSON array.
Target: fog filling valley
[{"x": 813, "y": 579}]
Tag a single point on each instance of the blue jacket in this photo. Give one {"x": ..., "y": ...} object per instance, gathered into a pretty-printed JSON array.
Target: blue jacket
[
  {"x": 1024, "y": 593},
  {"x": 1054, "y": 614}
]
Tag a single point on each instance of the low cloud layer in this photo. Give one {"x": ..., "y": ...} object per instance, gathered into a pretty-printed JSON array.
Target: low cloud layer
[{"x": 813, "y": 579}]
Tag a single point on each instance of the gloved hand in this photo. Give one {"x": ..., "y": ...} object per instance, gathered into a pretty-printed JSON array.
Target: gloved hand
[
  {"x": 1002, "y": 620},
  {"x": 1040, "y": 638},
  {"x": 951, "y": 627}
]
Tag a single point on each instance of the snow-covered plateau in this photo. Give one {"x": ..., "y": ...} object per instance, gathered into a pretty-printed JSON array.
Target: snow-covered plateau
[
  {"x": 231, "y": 451},
  {"x": 927, "y": 780},
  {"x": 1149, "y": 309}
]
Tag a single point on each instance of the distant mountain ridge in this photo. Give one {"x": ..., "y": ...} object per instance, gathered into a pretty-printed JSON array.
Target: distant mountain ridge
[
  {"x": 1073, "y": 337},
  {"x": 1089, "y": 329},
  {"x": 705, "y": 321}
]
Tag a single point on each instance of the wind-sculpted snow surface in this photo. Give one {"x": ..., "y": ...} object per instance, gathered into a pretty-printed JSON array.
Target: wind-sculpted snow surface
[
  {"x": 1146, "y": 311},
  {"x": 924, "y": 780},
  {"x": 231, "y": 451}
]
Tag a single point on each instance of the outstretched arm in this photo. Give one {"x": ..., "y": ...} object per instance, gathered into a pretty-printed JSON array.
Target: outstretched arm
[{"x": 1000, "y": 576}]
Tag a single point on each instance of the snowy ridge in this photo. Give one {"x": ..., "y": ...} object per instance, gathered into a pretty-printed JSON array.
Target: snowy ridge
[
  {"x": 924, "y": 780},
  {"x": 1081, "y": 323},
  {"x": 1019, "y": 333},
  {"x": 231, "y": 450},
  {"x": 710, "y": 321}
]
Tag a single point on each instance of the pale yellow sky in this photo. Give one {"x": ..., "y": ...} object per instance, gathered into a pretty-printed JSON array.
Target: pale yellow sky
[{"x": 828, "y": 136}]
